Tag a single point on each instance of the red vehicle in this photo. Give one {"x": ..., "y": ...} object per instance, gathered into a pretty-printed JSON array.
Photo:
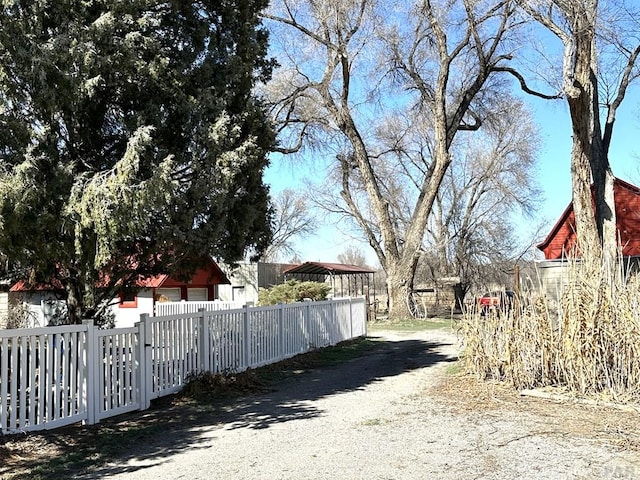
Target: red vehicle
[{"x": 502, "y": 300}]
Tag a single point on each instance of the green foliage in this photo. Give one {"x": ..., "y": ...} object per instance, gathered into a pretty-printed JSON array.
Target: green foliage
[
  {"x": 293, "y": 291},
  {"x": 130, "y": 139}
]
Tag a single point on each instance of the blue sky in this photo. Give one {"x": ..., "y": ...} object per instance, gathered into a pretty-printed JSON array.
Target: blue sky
[{"x": 553, "y": 173}]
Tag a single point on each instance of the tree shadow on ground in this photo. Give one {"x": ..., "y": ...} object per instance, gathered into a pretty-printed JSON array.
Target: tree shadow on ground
[
  {"x": 293, "y": 399},
  {"x": 144, "y": 439}
]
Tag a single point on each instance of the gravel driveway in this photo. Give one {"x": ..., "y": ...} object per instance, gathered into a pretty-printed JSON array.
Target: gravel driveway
[{"x": 376, "y": 417}]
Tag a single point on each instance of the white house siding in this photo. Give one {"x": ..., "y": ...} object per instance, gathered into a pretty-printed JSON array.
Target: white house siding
[
  {"x": 248, "y": 278},
  {"x": 244, "y": 283},
  {"x": 41, "y": 307},
  {"x": 127, "y": 317},
  {"x": 4, "y": 309},
  {"x": 238, "y": 294}
]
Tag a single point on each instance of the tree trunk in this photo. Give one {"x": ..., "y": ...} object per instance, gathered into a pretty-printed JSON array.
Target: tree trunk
[
  {"x": 583, "y": 106},
  {"x": 605, "y": 210},
  {"x": 459, "y": 292},
  {"x": 398, "y": 292},
  {"x": 597, "y": 238},
  {"x": 586, "y": 231},
  {"x": 74, "y": 302},
  {"x": 400, "y": 275},
  {"x": 80, "y": 287}
]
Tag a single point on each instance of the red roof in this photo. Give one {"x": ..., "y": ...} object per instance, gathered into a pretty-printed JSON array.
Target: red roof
[
  {"x": 562, "y": 238},
  {"x": 24, "y": 286},
  {"x": 210, "y": 274}
]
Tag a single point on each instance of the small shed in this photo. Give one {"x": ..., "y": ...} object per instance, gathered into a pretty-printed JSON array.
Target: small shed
[
  {"x": 561, "y": 240},
  {"x": 346, "y": 280},
  {"x": 247, "y": 278}
]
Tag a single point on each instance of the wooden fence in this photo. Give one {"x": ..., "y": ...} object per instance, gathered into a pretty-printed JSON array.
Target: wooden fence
[{"x": 55, "y": 376}]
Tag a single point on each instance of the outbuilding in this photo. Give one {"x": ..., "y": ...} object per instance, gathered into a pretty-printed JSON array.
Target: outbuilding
[
  {"x": 43, "y": 303},
  {"x": 560, "y": 243},
  {"x": 346, "y": 280},
  {"x": 561, "y": 240}
]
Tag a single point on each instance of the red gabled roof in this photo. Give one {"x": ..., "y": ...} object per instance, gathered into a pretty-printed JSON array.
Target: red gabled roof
[
  {"x": 210, "y": 274},
  {"x": 24, "y": 286},
  {"x": 562, "y": 239},
  {"x": 152, "y": 282}
]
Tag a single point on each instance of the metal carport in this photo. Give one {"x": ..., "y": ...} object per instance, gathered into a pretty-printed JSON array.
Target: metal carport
[{"x": 346, "y": 280}]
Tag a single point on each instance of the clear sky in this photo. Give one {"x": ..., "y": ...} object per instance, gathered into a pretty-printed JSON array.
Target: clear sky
[
  {"x": 553, "y": 173},
  {"x": 554, "y": 160},
  {"x": 330, "y": 239}
]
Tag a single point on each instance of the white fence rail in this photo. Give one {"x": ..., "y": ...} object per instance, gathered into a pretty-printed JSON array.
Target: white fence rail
[
  {"x": 54, "y": 376},
  {"x": 172, "y": 308}
]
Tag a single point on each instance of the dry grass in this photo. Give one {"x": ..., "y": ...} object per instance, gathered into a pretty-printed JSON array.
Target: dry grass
[
  {"x": 562, "y": 416},
  {"x": 588, "y": 345}
]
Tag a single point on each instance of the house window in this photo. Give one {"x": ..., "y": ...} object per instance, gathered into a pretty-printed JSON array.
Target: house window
[
  {"x": 197, "y": 295},
  {"x": 238, "y": 294},
  {"x": 128, "y": 300},
  {"x": 170, "y": 294}
]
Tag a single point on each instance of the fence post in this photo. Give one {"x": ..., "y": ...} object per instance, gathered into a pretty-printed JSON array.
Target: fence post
[
  {"x": 333, "y": 315},
  {"x": 92, "y": 374},
  {"x": 92, "y": 397},
  {"x": 145, "y": 363},
  {"x": 204, "y": 350},
  {"x": 281, "y": 338},
  {"x": 365, "y": 319},
  {"x": 245, "y": 336},
  {"x": 350, "y": 317},
  {"x": 307, "y": 323}
]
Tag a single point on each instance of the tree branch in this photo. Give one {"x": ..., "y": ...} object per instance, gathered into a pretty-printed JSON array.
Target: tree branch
[
  {"x": 613, "y": 107},
  {"x": 523, "y": 84}
]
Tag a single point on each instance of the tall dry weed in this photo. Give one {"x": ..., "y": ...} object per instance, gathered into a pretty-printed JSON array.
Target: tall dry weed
[{"x": 587, "y": 343}]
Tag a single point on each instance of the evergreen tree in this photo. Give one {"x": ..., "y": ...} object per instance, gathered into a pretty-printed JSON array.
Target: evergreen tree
[{"x": 130, "y": 139}]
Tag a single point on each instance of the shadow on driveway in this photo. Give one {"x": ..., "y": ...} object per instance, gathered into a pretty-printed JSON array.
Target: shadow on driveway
[
  {"x": 294, "y": 399},
  {"x": 182, "y": 427}
]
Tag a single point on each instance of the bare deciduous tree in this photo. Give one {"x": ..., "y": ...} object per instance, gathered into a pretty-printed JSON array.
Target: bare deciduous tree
[
  {"x": 353, "y": 256},
  {"x": 488, "y": 187},
  {"x": 435, "y": 65},
  {"x": 592, "y": 33},
  {"x": 292, "y": 219}
]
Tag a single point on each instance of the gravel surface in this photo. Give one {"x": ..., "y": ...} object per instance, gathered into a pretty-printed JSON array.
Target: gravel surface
[{"x": 381, "y": 416}]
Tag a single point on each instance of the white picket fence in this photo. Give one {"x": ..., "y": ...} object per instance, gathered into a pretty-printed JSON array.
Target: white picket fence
[
  {"x": 55, "y": 376},
  {"x": 171, "y": 308}
]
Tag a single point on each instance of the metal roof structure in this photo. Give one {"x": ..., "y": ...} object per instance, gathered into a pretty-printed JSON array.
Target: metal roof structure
[
  {"x": 322, "y": 268},
  {"x": 346, "y": 280}
]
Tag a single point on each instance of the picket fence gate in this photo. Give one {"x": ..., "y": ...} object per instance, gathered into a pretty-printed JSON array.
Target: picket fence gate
[{"x": 55, "y": 376}]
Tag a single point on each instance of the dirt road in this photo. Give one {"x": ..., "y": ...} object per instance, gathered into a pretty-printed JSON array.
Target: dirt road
[{"x": 392, "y": 414}]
